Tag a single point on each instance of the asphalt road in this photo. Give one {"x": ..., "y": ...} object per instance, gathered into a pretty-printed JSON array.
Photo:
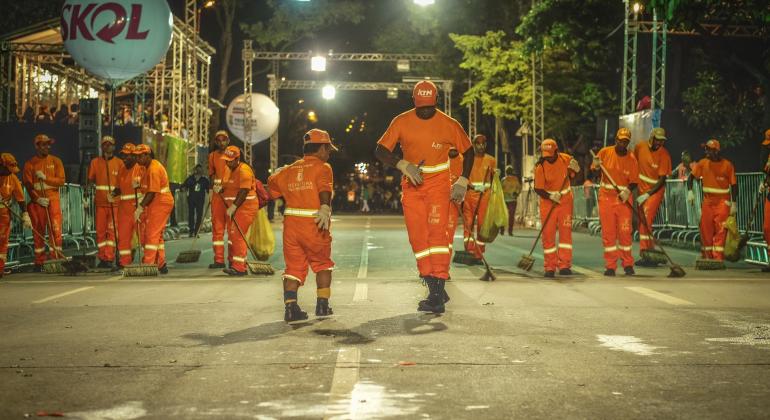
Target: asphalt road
[{"x": 198, "y": 344}]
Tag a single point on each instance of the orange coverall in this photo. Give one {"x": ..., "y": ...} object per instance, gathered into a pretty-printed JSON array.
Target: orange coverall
[
  {"x": 481, "y": 170},
  {"x": 426, "y": 206},
  {"x": 105, "y": 211},
  {"x": 552, "y": 177},
  {"x": 717, "y": 178},
  {"x": 615, "y": 216},
  {"x": 455, "y": 171},
  {"x": 233, "y": 182},
  {"x": 652, "y": 166},
  {"x": 303, "y": 243},
  {"x": 219, "y": 219},
  {"x": 156, "y": 214},
  {"x": 53, "y": 169},
  {"x": 126, "y": 207},
  {"x": 10, "y": 192}
]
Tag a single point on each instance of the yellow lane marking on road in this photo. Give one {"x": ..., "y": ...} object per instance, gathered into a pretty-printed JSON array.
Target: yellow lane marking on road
[
  {"x": 60, "y": 295},
  {"x": 660, "y": 296},
  {"x": 344, "y": 380},
  {"x": 361, "y": 292}
]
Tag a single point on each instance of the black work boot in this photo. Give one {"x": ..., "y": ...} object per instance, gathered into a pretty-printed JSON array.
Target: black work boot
[
  {"x": 322, "y": 307},
  {"x": 610, "y": 272},
  {"x": 294, "y": 313},
  {"x": 629, "y": 270},
  {"x": 435, "y": 301},
  {"x": 216, "y": 265},
  {"x": 565, "y": 272}
]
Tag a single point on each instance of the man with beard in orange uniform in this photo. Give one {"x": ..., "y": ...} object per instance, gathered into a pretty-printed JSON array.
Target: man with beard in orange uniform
[
  {"x": 425, "y": 135},
  {"x": 219, "y": 219},
  {"x": 10, "y": 190},
  {"x": 654, "y": 167},
  {"x": 480, "y": 181},
  {"x": 127, "y": 195},
  {"x": 103, "y": 172},
  {"x": 155, "y": 208},
  {"x": 240, "y": 194},
  {"x": 43, "y": 175}
]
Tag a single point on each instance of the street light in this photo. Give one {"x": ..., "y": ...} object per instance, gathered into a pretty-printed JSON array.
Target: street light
[
  {"x": 328, "y": 92},
  {"x": 318, "y": 63},
  {"x": 208, "y": 4},
  {"x": 424, "y": 2},
  {"x": 638, "y": 7}
]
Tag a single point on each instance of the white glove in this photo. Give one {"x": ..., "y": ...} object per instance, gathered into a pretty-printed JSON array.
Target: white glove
[
  {"x": 217, "y": 188},
  {"x": 555, "y": 197},
  {"x": 459, "y": 188},
  {"x": 138, "y": 213},
  {"x": 40, "y": 175},
  {"x": 642, "y": 198},
  {"x": 25, "y": 220},
  {"x": 231, "y": 210},
  {"x": 690, "y": 197},
  {"x": 43, "y": 202},
  {"x": 136, "y": 184},
  {"x": 324, "y": 217},
  {"x": 574, "y": 166},
  {"x": 624, "y": 194},
  {"x": 596, "y": 162},
  {"x": 762, "y": 188},
  {"x": 733, "y": 207},
  {"x": 411, "y": 171}
]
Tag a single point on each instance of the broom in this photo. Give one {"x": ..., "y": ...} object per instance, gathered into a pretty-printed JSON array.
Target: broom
[
  {"x": 140, "y": 269},
  {"x": 255, "y": 267},
  {"x": 193, "y": 255},
  {"x": 528, "y": 261},
  {"x": 676, "y": 270}
]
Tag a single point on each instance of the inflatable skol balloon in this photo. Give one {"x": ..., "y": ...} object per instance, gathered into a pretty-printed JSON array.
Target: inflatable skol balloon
[
  {"x": 117, "y": 39},
  {"x": 264, "y": 117}
]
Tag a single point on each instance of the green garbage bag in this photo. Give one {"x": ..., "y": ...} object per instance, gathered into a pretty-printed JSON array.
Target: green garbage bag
[{"x": 497, "y": 212}]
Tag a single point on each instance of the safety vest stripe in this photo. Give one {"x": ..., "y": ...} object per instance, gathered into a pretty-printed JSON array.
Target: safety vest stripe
[
  {"x": 624, "y": 248},
  {"x": 550, "y": 250},
  {"x": 645, "y": 237},
  {"x": 711, "y": 190},
  {"x": 439, "y": 250},
  {"x": 562, "y": 192},
  {"x": 300, "y": 212},
  {"x": 565, "y": 246},
  {"x": 124, "y": 252},
  {"x": 248, "y": 198},
  {"x": 610, "y": 249},
  {"x": 131, "y": 197},
  {"x": 239, "y": 259},
  {"x": 151, "y": 247},
  {"x": 648, "y": 179},
  {"x": 612, "y": 187},
  {"x": 218, "y": 243},
  {"x": 436, "y": 168},
  {"x": 422, "y": 254},
  {"x": 103, "y": 188}
]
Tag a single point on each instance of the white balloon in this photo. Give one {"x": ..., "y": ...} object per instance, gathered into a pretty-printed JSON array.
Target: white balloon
[
  {"x": 117, "y": 39},
  {"x": 265, "y": 117}
]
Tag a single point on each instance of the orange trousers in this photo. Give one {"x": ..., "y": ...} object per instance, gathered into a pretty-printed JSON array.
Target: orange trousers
[
  {"x": 426, "y": 211},
  {"x": 454, "y": 214},
  {"x": 472, "y": 198},
  {"x": 5, "y": 234},
  {"x": 155, "y": 218},
  {"x": 238, "y": 250},
  {"x": 557, "y": 255},
  {"x": 615, "y": 218},
  {"x": 766, "y": 221},
  {"x": 126, "y": 228},
  {"x": 650, "y": 209},
  {"x": 40, "y": 223},
  {"x": 219, "y": 223},
  {"x": 304, "y": 246},
  {"x": 713, "y": 214},
  {"x": 105, "y": 233}
]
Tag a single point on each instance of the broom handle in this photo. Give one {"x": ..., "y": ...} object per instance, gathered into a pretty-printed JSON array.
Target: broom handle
[
  {"x": 52, "y": 240},
  {"x": 232, "y": 219},
  {"x": 34, "y": 231},
  {"x": 109, "y": 192},
  {"x": 547, "y": 217}
]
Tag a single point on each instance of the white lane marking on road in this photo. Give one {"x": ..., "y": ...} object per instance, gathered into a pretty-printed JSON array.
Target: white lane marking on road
[
  {"x": 363, "y": 268},
  {"x": 71, "y": 292},
  {"x": 361, "y": 292},
  {"x": 660, "y": 296},
  {"x": 576, "y": 268},
  {"x": 627, "y": 343},
  {"x": 128, "y": 411},
  {"x": 344, "y": 380}
]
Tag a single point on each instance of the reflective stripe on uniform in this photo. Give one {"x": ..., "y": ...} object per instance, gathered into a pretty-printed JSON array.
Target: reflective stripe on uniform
[
  {"x": 218, "y": 243},
  {"x": 612, "y": 187},
  {"x": 165, "y": 190},
  {"x": 131, "y": 197},
  {"x": 3, "y": 257},
  {"x": 439, "y": 250},
  {"x": 648, "y": 179},
  {"x": 422, "y": 254},
  {"x": 645, "y": 237},
  {"x": 562, "y": 192},
  {"x": 719, "y": 248},
  {"x": 151, "y": 247},
  {"x": 103, "y": 188},
  {"x": 610, "y": 249},
  {"x": 435, "y": 168},
  {"x": 300, "y": 212},
  {"x": 624, "y": 248},
  {"x": 124, "y": 252},
  {"x": 39, "y": 250},
  {"x": 49, "y": 187},
  {"x": 239, "y": 259},
  {"x": 565, "y": 246},
  {"x": 247, "y": 197},
  {"x": 706, "y": 248},
  {"x": 550, "y": 250},
  {"x": 716, "y": 190}
]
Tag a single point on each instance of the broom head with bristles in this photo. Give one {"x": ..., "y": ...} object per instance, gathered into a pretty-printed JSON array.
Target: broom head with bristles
[
  {"x": 676, "y": 271},
  {"x": 488, "y": 275},
  {"x": 140, "y": 270},
  {"x": 526, "y": 262},
  {"x": 260, "y": 268},
  {"x": 654, "y": 256},
  {"x": 709, "y": 264},
  {"x": 74, "y": 267},
  {"x": 190, "y": 256},
  {"x": 465, "y": 257},
  {"x": 55, "y": 266},
  {"x": 89, "y": 261}
]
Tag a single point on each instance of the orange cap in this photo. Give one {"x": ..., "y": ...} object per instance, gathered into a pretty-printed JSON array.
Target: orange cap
[
  {"x": 231, "y": 153},
  {"x": 548, "y": 147},
  {"x": 108, "y": 139},
  {"x": 623, "y": 134},
  {"x": 142, "y": 149},
  {"x": 42, "y": 138},
  {"x": 480, "y": 138},
  {"x": 767, "y": 138},
  {"x": 7, "y": 160},
  {"x": 128, "y": 148},
  {"x": 425, "y": 93},
  {"x": 713, "y": 144},
  {"x": 318, "y": 136},
  {"x": 222, "y": 133}
]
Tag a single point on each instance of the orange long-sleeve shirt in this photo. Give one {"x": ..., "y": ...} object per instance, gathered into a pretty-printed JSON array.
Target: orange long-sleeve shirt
[
  {"x": 53, "y": 169},
  {"x": 97, "y": 173},
  {"x": 551, "y": 176},
  {"x": 155, "y": 180},
  {"x": 653, "y": 165},
  {"x": 241, "y": 178},
  {"x": 717, "y": 177},
  {"x": 10, "y": 189},
  {"x": 126, "y": 179},
  {"x": 481, "y": 166},
  {"x": 623, "y": 169},
  {"x": 217, "y": 167},
  {"x": 300, "y": 183}
]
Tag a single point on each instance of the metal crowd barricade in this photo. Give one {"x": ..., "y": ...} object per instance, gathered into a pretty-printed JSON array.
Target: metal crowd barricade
[
  {"x": 527, "y": 208},
  {"x": 748, "y": 193},
  {"x": 585, "y": 209}
]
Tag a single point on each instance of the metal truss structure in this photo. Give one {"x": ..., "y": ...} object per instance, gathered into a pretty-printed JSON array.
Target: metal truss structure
[
  {"x": 248, "y": 89},
  {"x": 538, "y": 112},
  {"x": 332, "y": 56}
]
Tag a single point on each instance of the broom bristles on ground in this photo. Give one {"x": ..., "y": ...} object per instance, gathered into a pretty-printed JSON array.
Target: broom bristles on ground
[
  {"x": 54, "y": 267},
  {"x": 526, "y": 263},
  {"x": 260, "y": 268},
  {"x": 140, "y": 270},
  {"x": 654, "y": 255},
  {"x": 190, "y": 256},
  {"x": 709, "y": 264}
]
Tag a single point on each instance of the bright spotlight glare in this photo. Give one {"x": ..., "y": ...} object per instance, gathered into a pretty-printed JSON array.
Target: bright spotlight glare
[
  {"x": 637, "y": 7},
  {"x": 318, "y": 63},
  {"x": 424, "y": 2},
  {"x": 328, "y": 92}
]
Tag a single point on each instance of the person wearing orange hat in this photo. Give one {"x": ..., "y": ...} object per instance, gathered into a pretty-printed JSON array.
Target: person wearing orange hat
[
  {"x": 306, "y": 186},
  {"x": 654, "y": 166},
  {"x": 219, "y": 219},
  {"x": 552, "y": 175},
  {"x": 239, "y": 190},
  {"x": 42, "y": 176},
  {"x": 480, "y": 180},
  {"x": 615, "y": 208},
  {"x": 127, "y": 196},
  {"x": 103, "y": 172},
  {"x": 764, "y": 155},
  {"x": 720, "y": 194},
  {"x": 10, "y": 190},
  {"x": 157, "y": 203},
  {"x": 425, "y": 135}
]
